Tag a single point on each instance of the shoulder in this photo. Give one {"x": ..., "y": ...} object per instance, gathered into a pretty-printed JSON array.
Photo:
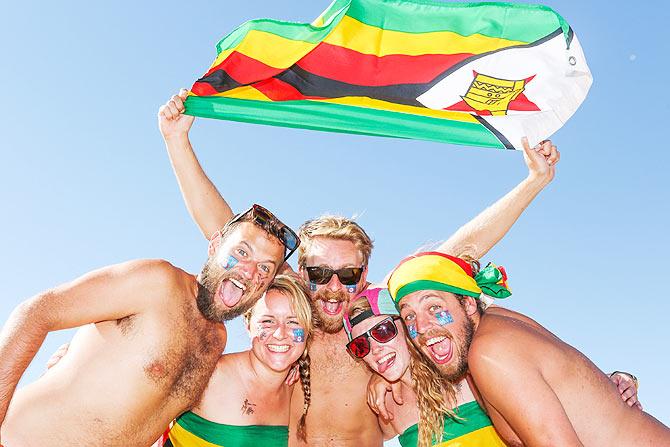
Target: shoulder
[{"x": 499, "y": 342}]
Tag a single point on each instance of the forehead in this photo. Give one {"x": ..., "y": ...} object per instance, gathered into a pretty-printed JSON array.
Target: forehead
[
  {"x": 335, "y": 253},
  {"x": 274, "y": 303},
  {"x": 366, "y": 325},
  {"x": 262, "y": 243},
  {"x": 414, "y": 300}
]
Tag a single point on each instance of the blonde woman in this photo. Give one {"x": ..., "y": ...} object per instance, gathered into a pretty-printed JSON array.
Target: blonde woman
[{"x": 247, "y": 400}]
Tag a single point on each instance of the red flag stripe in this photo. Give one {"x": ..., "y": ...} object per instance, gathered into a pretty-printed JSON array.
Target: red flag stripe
[{"x": 345, "y": 65}]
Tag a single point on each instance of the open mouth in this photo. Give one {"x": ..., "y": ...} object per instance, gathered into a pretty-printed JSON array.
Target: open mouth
[
  {"x": 331, "y": 307},
  {"x": 230, "y": 292},
  {"x": 440, "y": 349},
  {"x": 386, "y": 362},
  {"x": 278, "y": 348}
]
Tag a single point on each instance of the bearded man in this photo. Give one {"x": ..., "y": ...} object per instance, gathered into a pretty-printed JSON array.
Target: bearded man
[
  {"x": 526, "y": 377},
  {"x": 151, "y": 336}
]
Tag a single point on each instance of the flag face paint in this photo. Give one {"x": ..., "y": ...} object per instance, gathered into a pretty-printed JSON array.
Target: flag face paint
[
  {"x": 444, "y": 317},
  {"x": 411, "y": 330},
  {"x": 229, "y": 263},
  {"x": 479, "y": 74},
  {"x": 299, "y": 335},
  {"x": 351, "y": 289},
  {"x": 312, "y": 286}
]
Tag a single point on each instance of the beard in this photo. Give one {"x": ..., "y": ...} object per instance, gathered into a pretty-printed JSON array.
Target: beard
[
  {"x": 330, "y": 324},
  {"x": 456, "y": 369},
  {"x": 211, "y": 277}
]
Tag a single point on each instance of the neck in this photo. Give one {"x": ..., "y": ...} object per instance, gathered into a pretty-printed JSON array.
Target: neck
[
  {"x": 406, "y": 378},
  {"x": 261, "y": 374}
]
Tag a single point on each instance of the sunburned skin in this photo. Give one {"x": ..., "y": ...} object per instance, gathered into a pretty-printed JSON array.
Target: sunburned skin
[
  {"x": 254, "y": 380},
  {"x": 339, "y": 383},
  {"x": 512, "y": 355},
  {"x": 126, "y": 377}
]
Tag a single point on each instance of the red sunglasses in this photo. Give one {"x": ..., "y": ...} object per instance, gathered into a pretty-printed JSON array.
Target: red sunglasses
[{"x": 382, "y": 332}]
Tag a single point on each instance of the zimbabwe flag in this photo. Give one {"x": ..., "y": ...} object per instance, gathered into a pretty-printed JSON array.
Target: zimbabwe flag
[{"x": 482, "y": 74}]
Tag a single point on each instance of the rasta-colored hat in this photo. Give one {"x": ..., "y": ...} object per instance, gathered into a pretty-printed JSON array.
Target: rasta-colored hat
[
  {"x": 439, "y": 271},
  {"x": 380, "y": 301}
]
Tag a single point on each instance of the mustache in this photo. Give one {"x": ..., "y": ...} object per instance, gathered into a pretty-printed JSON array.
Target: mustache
[
  {"x": 422, "y": 339},
  {"x": 326, "y": 295}
]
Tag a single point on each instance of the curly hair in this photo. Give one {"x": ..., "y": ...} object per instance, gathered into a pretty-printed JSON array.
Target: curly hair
[{"x": 436, "y": 397}]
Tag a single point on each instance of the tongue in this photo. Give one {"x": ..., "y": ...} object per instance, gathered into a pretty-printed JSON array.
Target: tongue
[
  {"x": 332, "y": 308},
  {"x": 386, "y": 365},
  {"x": 442, "y": 348},
  {"x": 230, "y": 294}
]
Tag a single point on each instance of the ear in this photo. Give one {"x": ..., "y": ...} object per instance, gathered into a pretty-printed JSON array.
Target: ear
[
  {"x": 214, "y": 243},
  {"x": 470, "y": 305}
]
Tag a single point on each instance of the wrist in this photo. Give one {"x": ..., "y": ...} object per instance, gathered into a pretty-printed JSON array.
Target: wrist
[
  {"x": 180, "y": 137},
  {"x": 537, "y": 181}
]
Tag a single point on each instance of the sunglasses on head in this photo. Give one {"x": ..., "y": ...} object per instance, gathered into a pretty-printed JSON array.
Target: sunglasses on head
[
  {"x": 348, "y": 276},
  {"x": 269, "y": 222},
  {"x": 382, "y": 332}
]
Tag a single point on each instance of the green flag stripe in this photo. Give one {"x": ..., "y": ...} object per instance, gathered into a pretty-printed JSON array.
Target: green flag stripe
[
  {"x": 341, "y": 118},
  {"x": 289, "y": 30},
  {"x": 222, "y": 434},
  {"x": 511, "y": 21}
]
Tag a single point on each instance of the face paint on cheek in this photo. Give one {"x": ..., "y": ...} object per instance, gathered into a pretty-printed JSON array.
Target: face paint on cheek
[
  {"x": 444, "y": 317},
  {"x": 312, "y": 286},
  {"x": 299, "y": 335},
  {"x": 229, "y": 263},
  {"x": 351, "y": 289},
  {"x": 411, "y": 330}
]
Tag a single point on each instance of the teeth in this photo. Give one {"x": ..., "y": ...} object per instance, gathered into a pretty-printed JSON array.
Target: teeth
[
  {"x": 434, "y": 340},
  {"x": 333, "y": 301},
  {"x": 237, "y": 283},
  {"x": 386, "y": 357},
  {"x": 278, "y": 348}
]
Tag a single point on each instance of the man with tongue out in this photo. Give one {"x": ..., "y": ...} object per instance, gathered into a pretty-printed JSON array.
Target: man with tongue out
[
  {"x": 538, "y": 390},
  {"x": 151, "y": 336}
]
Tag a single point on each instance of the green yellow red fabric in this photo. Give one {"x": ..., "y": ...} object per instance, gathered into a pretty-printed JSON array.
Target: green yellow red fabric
[
  {"x": 191, "y": 430},
  {"x": 380, "y": 67},
  {"x": 439, "y": 271},
  {"x": 474, "y": 430}
]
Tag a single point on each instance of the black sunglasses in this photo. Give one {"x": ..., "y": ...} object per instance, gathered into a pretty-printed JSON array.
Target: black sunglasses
[
  {"x": 348, "y": 276},
  {"x": 269, "y": 222},
  {"x": 382, "y": 332}
]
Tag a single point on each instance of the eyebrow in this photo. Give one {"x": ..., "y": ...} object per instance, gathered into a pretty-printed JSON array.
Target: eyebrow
[{"x": 246, "y": 244}]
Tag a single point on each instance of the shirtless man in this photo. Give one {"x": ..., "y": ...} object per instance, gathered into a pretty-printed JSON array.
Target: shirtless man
[
  {"x": 339, "y": 414},
  {"x": 526, "y": 376},
  {"x": 152, "y": 335}
]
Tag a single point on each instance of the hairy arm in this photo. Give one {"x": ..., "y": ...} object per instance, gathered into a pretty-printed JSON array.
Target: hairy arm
[
  {"x": 479, "y": 235},
  {"x": 513, "y": 384},
  {"x": 205, "y": 204},
  {"x": 107, "y": 294}
]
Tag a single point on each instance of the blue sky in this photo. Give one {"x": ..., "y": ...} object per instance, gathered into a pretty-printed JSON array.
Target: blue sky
[{"x": 85, "y": 180}]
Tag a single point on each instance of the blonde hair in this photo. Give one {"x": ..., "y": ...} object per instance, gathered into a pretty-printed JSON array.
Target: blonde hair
[
  {"x": 333, "y": 227},
  {"x": 296, "y": 291},
  {"x": 435, "y": 397}
]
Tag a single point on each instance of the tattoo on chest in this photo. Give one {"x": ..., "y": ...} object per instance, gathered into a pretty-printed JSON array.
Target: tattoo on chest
[{"x": 248, "y": 407}]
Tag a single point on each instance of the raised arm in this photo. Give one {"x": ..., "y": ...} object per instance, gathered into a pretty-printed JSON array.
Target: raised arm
[
  {"x": 479, "y": 235},
  {"x": 107, "y": 294},
  {"x": 204, "y": 202}
]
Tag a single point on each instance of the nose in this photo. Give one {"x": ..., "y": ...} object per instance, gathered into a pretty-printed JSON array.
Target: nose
[
  {"x": 247, "y": 269},
  {"x": 423, "y": 323},
  {"x": 334, "y": 284},
  {"x": 280, "y": 333},
  {"x": 375, "y": 346}
]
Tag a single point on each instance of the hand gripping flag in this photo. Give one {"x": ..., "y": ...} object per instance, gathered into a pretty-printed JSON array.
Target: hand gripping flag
[{"x": 481, "y": 74}]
